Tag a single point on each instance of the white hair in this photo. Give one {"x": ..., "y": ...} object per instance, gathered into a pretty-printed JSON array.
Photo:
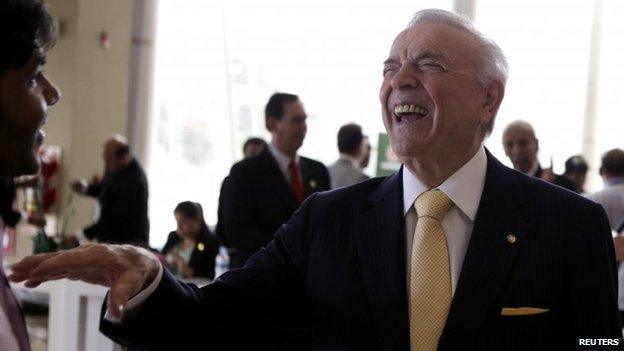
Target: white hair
[{"x": 494, "y": 61}]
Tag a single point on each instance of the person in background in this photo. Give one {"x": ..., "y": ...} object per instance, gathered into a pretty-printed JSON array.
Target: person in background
[
  {"x": 252, "y": 147},
  {"x": 190, "y": 251},
  {"x": 347, "y": 169},
  {"x": 521, "y": 146},
  {"x": 262, "y": 192},
  {"x": 576, "y": 171},
  {"x": 364, "y": 158},
  {"x": 27, "y": 31},
  {"x": 611, "y": 197},
  {"x": 122, "y": 195}
]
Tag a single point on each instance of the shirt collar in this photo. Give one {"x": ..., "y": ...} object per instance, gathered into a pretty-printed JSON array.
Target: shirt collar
[
  {"x": 351, "y": 159},
  {"x": 533, "y": 171},
  {"x": 282, "y": 159},
  {"x": 614, "y": 181},
  {"x": 464, "y": 187}
]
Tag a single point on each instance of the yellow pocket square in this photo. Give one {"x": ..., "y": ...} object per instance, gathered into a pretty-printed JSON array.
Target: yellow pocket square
[{"x": 522, "y": 311}]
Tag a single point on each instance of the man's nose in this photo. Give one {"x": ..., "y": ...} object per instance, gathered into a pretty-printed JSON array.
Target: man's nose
[
  {"x": 51, "y": 93},
  {"x": 405, "y": 78}
]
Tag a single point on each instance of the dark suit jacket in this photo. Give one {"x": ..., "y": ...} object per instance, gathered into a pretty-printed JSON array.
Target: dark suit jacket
[
  {"x": 257, "y": 199},
  {"x": 219, "y": 229},
  {"x": 7, "y": 197},
  {"x": 123, "y": 200},
  {"x": 559, "y": 180},
  {"x": 203, "y": 256},
  {"x": 339, "y": 268}
]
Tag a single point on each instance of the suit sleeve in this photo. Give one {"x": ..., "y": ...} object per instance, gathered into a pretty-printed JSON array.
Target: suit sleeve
[
  {"x": 239, "y": 215},
  {"x": 258, "y": 307},
  {"x": 120, "y": 222},
  {"x": 94, "y": 189},
  {"x": 594, "y": 289}
]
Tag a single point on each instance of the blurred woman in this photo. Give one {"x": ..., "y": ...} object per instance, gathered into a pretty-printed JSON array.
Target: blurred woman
[{"x": 192, "y": 248}]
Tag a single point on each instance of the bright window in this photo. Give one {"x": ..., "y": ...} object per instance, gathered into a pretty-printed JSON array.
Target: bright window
[{"x": 217, "y": 63}]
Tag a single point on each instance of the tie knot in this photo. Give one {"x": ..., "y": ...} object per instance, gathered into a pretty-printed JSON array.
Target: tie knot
[{"x": 433, "y": 203}]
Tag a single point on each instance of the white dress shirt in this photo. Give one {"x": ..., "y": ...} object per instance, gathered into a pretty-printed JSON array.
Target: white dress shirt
[
  {"x": 8, "y": 342},
  {"x": 612, "y": 200},
  {"x": 464, "y": 188},
  {"x": 283, "y": 161}
]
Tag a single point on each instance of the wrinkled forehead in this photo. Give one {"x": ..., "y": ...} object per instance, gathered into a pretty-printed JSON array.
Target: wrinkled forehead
[{"x": 436, "y": 38}]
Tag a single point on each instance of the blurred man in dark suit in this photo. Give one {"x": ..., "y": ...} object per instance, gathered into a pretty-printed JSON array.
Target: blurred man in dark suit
[
  {"x": 576, "y": 171},
  {"x": 453, "y": 252},
  {"x": 521, "y": 146},
  {"x": 252, "y": 147},
  {"x": 122, "y": 196},
  {"x": 262, "y": 192},
  {"x": 26, "y": 32}
]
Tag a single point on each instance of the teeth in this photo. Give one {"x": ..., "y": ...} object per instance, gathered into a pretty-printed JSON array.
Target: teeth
[{"x": 401, "y": 109}]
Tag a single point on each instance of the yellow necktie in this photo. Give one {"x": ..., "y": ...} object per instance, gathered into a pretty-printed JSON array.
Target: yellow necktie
[{"x": 430, "y": 279}]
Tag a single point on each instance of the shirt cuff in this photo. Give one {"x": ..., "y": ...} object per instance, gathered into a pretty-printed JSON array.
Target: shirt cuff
[
  {"x": 135, "y": 303},
  {"x": 80, "y": 236}
]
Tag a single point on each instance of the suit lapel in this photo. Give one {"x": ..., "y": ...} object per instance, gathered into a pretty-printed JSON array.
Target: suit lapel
[
  {"x": 497, "y": 235},
  {"x": 379, "y": 235},
  {"x": 281, "y": 186},
  {"x": 310, "y": 184}
]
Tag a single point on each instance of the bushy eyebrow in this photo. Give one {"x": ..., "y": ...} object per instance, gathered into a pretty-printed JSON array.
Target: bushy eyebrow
[
  {"x": 430, "y": 55},
  {"x": 421, "y": 56}
]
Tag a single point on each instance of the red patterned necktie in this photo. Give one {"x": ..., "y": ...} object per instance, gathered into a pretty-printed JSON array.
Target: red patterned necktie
[{"x": 295, "y": 181}]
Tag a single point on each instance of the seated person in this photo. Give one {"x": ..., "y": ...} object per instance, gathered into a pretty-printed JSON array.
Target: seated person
[{"x": 191, "y": 250}]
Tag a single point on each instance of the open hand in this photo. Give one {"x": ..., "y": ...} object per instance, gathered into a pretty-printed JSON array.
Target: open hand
[{"x": 126, "y": 269}]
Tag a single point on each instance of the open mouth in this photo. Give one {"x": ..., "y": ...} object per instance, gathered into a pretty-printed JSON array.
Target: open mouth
[{"x": 407, "y": 113}]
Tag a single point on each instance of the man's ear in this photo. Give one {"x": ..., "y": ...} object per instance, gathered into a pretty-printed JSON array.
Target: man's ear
[
  {"x": 271, "y": 123},
  {"x": 494, "y": 93}
]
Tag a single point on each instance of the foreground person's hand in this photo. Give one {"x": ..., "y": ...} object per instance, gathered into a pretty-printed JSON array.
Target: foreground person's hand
[{"x": 125, "y": 269}]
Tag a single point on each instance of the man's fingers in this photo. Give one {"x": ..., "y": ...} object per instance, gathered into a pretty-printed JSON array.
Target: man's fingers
[
  {"x": 31, "y": 262},
  {"x": 121, "y": 292},
  {"x": 77, "y": 261}
]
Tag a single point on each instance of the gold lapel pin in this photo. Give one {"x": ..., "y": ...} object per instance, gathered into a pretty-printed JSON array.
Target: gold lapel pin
[
  {"x": 200, "y": 246},
  {"x": 312, "y": 184},
  {"x": 511, "y": 238}
]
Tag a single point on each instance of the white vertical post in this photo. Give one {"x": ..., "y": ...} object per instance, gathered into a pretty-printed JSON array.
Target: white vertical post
[
  {"x": 591, "y": 95},
  {"x": 141, "y": 94},
  {"x": 467, "y": 8}
]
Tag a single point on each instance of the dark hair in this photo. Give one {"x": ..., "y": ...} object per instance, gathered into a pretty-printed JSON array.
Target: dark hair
[
  {"x": 122, "y": 151},
  {"x": 576, "y": 164},
  {"x": 194, "y": 211},
  {"x": 613, "y": 163},
  {"x": 275, "y": 107},
  {"x": 254, "y": 140},
  {"x": 349, "y": 138},
  {"x": 25, "y": 27}
]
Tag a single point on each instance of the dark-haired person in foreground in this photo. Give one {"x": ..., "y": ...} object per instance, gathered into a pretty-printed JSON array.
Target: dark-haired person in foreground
[
  {"x": 122, "y": 195},
  {"x": 453, "y": 252},
  {"x": 26, "y": 33}
]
